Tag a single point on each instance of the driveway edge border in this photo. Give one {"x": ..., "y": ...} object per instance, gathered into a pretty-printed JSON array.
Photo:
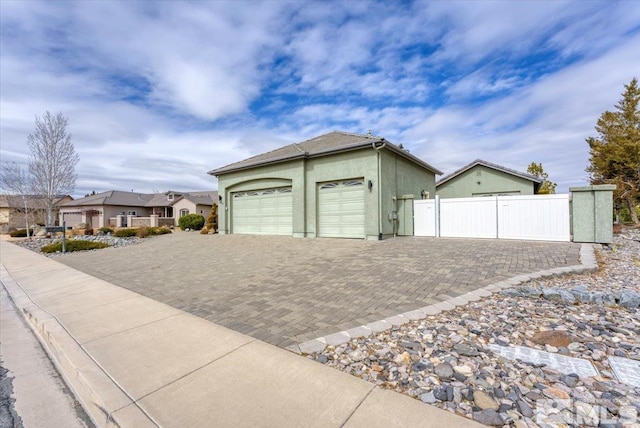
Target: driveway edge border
[{"x": 588, "y": 263}]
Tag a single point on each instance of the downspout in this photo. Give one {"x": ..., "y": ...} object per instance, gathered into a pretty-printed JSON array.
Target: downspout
[{"x": 377, "y": 149}]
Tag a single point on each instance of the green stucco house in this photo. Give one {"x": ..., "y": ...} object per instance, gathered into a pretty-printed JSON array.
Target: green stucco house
[
  {"x": 338, "y": 185},
  {"x": 482, "y": 178}
]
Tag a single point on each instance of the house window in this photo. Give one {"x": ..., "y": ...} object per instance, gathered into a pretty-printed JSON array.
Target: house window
[
  {"x": 329, "y": 186},
  {"x": 184, "y": 212},
  {"x": 132, "y": 213},
  {"x": 170, "y": 197}
]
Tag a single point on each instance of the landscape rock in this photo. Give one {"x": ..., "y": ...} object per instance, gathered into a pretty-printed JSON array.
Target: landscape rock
[
  {"x": 484, "y": 400},
  {"x": 488, "y": 417},
  {"x": 444, "y": 371},
  {"x": 552, "y": 337},
  {"x": 466, "y": 349},
  {"x": 457, "y": 341}
]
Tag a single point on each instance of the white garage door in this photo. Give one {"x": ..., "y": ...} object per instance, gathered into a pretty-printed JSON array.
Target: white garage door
[
  {"x": 341, "y": 209},
  {"x": 263, "y": 212}
]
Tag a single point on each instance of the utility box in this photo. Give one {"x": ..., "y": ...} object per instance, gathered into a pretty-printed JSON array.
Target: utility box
[{"x": 592, "y": 213}]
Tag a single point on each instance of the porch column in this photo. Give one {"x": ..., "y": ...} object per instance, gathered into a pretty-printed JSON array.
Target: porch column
[
  {"x": 119, "y": 219},
  {"x": 153, "y": 220}
]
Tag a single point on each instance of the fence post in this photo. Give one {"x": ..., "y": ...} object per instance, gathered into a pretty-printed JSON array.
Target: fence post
[
  {"x": 437, "y": 212},
  {"x": 592, "y": 216},
  {"x": 64, "y": 237}
]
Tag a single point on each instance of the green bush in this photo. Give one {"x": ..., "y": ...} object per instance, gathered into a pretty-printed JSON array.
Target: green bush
[
  {"x": 125, "y": 233},
  {"x": 73, "y": 245},
  {"x": 153, "y": 231},
  {"x": 625, "y": 214},
  {"x": 191, "y": 221},
  {"x": 105, "y": 230},
  {"x": 18, "y": 233}
]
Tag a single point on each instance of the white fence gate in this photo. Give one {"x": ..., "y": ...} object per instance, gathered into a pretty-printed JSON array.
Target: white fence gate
[{"x": 531, "y": 217}]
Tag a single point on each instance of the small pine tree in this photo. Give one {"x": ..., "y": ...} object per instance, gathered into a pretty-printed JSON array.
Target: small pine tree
[{"x": 547, "y": 187}]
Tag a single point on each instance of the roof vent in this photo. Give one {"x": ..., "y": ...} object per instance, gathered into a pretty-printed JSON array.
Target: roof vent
[{"x": 369, "y": 134}]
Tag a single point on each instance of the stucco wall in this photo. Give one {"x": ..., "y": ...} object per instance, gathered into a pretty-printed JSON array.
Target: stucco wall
[
  {"x": 401, "y": 177},
  {"x": 193, "y": 209},
  {"x": 283, "y": 174},
  {"x": 107, "y": 212},
  {"x": 492, "y": 182},
  {"x": 343, "y": 166}
]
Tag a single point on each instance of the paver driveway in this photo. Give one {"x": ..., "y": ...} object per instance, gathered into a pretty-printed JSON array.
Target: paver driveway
[{"x": 287, "y": 290}]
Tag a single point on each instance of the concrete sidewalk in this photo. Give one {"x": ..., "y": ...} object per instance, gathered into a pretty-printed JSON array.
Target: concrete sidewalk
[{"x": 135, "y": 362}]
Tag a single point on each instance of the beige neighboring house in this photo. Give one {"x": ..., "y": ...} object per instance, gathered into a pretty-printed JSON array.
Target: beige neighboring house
[
  {"x": 135, "y": 209},
  {"x": 12, "y": 211}
]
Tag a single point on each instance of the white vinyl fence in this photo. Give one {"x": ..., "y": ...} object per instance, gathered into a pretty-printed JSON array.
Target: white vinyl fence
[{"x": 531, "y": 217}]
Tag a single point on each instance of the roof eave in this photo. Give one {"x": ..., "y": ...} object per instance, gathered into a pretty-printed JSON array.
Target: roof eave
[
  {"x": 485, "y": 164},
  {"x": 413, "y": 158},
  {"x": 342, "y": 149}
]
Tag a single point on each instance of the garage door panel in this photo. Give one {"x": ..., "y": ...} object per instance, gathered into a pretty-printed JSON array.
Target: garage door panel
[
  {"x": 341, "y": 209},
  {"x": 264, "y": 212}
]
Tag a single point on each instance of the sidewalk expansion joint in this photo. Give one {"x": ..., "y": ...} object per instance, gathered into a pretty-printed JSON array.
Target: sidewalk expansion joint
[
  {"x": 358, "y": 406},
  {"x": 109, "y": 416},
  {"x": 195, "y": 370}
]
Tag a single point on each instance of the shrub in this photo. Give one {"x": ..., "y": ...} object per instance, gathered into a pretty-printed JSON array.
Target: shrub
[
  {"x": 191, "y": 221},
  {"x": 18, "y": 233},
  {"x": 142, "y": 232},
  {"x": 204, "y": 231},
  {"x": 125, "y": 233},
  {"x": 212, "y": 220},
  {"x": 105, "y": 230},
  {"x": 158, "y": 230},
  {"x": 72, "y": 245}
]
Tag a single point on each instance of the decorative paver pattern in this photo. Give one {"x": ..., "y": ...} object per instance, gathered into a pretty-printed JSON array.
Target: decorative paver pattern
[{"x": 285, "y": 290}]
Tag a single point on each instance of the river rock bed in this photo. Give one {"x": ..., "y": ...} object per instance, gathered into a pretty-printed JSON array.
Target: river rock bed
[
  {"x": 444, "y": 359},
  {"x": 36, "y": 244}
]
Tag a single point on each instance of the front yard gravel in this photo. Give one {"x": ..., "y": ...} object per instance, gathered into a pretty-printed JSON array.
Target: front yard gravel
[
  {"x": 35, "y": 244},
  {"x": 444, "y": 360}
]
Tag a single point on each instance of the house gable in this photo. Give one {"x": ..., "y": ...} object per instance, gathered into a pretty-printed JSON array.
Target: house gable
[{"x": 482, "y": 178}]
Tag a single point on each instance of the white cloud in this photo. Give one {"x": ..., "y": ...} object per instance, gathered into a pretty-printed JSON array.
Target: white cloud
[{"x": 159, "y": 93}]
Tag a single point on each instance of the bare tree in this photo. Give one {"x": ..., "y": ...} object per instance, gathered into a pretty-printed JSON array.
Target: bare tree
[
  {"x": 52, "y": 160},
  {"x": 15, "y": 180}
]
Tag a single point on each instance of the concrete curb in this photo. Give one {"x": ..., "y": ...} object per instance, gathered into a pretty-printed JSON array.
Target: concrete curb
[
  {"x": 104, "y": 401},
  {"x": 588, "y": 263}
]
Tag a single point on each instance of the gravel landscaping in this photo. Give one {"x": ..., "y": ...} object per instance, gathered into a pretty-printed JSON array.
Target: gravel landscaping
[
  {"x": 445, "y": 360},
  {"x": 36, "y": 244}
]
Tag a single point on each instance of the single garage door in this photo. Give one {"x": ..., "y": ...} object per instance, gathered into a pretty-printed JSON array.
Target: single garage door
[
  {"x": 263, "y": 212},
  {"x": 341, "y": 209}
]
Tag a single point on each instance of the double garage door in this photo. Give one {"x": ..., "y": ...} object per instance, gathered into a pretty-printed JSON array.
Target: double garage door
[
  {"x": 270, "y": 211},
  {"x": 263, "y": 212}
]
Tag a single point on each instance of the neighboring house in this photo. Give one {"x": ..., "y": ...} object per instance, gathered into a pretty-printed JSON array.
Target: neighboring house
[
  {"x": 12, "y": 210},
  {"x": 103, "y": 209},
  {"x": 335, "y": 185},
  {"x": 481, "y": 178}
]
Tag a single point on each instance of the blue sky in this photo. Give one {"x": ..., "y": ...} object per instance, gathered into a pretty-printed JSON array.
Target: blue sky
[{"x": 159, "y": 93}]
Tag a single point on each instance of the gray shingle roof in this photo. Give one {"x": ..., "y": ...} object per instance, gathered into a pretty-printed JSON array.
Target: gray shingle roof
[
  {"x": 112, "y": 197},
  {"x": 333, "y": 142},
  {"x": 33, "y": 201},
  {"x": 132, "y": 199},
  {"x": 492, "y": 166}
]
